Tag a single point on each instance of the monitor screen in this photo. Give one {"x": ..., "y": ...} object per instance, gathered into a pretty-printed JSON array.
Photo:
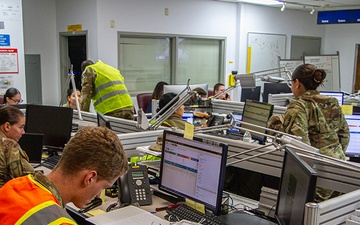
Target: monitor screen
[
  {"x": 338, "y": 95},
  {"x": 257, "y": 113},
  {"x": 193, "y": 169},
  {"x": 274, "y": 88},
  {"x": 52, "y": 121},
  {"x": 250, "y": 93},
  {"x": 177, "y": 88},
  {"x": 297, "y": 187},
  {"x": 188, "y": 117},
  {"x": 237, "y": 117},
  {"x": 102, "y": 121},
  {"x": 353, "y": 149}
]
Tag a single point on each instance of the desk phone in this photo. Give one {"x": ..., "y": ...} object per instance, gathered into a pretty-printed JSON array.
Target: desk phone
[{"x": 134, "y": 186}]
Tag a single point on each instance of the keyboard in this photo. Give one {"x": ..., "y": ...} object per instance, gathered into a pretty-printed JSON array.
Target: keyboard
[
  {"x": 51, "y": 161},
  {"x": 184, "y": 212}
]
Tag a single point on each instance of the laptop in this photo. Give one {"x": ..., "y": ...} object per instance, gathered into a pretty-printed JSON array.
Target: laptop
[{"x": 32, "y": 144}]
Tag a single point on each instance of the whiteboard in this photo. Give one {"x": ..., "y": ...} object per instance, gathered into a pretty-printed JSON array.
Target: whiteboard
[
  {"x": 264, "y": 51},
  {"x": 330, "y": 63},
  {"x": 290, "y": 64}
]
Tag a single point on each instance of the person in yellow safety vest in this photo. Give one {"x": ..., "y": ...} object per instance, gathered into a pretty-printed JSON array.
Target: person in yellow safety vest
[
  {"x": 40, "y": 199},
  {"x": 105, "y": 86}
]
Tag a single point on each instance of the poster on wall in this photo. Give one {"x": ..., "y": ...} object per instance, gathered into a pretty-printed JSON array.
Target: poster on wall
[
  {"x": 6, "y": 81},
  {"x": 264, "y": 51},
  {"x": 9, "y": 61}
]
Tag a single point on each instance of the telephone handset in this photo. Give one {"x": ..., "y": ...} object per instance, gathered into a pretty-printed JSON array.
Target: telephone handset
[{"x": 134, "y": 186}]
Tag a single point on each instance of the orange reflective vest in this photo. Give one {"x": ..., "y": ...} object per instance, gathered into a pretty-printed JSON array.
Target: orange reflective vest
[{"x": 26, "y": 201}]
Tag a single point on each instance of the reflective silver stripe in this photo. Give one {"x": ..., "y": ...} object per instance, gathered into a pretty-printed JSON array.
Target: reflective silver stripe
[
  {"x": 111, "y": 94},
  {"x": 108, "y": 84},
  {"x": 47, "y": 215}
]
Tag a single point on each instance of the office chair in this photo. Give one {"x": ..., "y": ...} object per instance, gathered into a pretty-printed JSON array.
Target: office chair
[{"x": 143, "y": 100}]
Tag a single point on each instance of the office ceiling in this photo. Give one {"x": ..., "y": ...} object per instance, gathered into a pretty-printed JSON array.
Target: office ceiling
[{"x": 319, "y": 5}]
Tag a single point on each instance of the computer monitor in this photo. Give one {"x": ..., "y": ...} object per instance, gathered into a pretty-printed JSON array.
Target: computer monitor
[
  {"x": 353, "y": 149},
  {"x": 102, "y": 120},
  {"x": 188, "y": 117},
  {"x": 237, "y": 117},
  {"x": 257, "y": 113},
  {"x": 274, "y": 88},
  {"x": 52, "y": 121},
  {"x": 250, "y": 93},
  {"x": 193, "y": 169},
  {"x": 297, "y": 187},
  {"x": 177, "y": 88},
  {"x": 336, "y": 94}
]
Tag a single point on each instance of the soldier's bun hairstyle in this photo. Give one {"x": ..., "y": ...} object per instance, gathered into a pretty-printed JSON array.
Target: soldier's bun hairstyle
[{"x": 309, "y": 75}]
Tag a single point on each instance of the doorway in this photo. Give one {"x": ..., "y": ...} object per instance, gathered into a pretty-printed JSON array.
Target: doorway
[
  {"x": 73, "y": 51},
  {"x": 357, "y": 69}
]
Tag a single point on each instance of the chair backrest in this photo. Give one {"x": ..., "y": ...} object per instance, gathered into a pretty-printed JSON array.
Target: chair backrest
[
  {"x": 143, "y": 100},
  {"x": 1, "y": 99}
]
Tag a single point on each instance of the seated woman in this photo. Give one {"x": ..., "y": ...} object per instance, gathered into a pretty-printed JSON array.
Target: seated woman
[
  {"x": 71, "y": 101},
  {"x": 157, "y": 93},
  {"x": 175, "y": 120},
  {"x": 12, "y": 96},
  {"x": 317, "y": 118},
  {"x": 13, "y": 160}
]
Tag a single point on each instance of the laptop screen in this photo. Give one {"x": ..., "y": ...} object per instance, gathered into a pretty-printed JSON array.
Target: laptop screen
[
  {"x": 189, "y": 117},
  {"x": 32, "y": 144}
]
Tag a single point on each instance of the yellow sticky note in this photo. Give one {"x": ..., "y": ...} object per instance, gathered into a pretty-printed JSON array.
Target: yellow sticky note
[
  {"x": 189, "y": 131},
  {"x": 200, "y": 207},
  {"x": 96, "y": 212},
  {"x": 347, "y": 109},
  {"x": 190, "y": 203},
  {"x": 354, "y": 104}
]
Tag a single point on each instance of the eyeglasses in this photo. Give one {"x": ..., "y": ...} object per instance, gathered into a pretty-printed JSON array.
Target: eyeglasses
[{"x": 17, "y": 101}]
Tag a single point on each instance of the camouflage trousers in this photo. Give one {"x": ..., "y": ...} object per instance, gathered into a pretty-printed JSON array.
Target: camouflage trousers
[
  {"x": 124, "y": 113},
  {"x": 323, "y": 194}
]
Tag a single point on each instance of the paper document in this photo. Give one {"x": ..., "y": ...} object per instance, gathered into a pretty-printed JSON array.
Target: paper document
[{"x": 129, "y": 215}]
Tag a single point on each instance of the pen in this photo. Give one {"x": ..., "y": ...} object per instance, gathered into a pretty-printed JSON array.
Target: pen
[{"x": 167, "y": 207}]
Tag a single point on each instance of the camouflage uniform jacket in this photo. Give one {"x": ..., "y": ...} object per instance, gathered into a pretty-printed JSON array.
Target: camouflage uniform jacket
[
  {"x": 175, "y": 121},
  {"x": 42, "y": 179},
  {"x": 13, "y": 160},
  {"x": 319, "y": 120},
  {"x": 87, "y": 91}
]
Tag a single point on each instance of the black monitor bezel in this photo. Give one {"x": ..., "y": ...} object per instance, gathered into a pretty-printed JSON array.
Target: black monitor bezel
[
  {"x": 311, "y": 186},
  {"x": 245, "y": 93},
  {"x": 274, "y": 88},
  {"x": 39, "y": 123},
  {"x": 217, "y": 209},
  {"x": 100, "y": 117},
  {"x": 263, "y": 138}
]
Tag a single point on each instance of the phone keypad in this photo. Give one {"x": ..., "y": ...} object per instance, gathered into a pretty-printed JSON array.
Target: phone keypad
[{"x": 140, "y": 194}]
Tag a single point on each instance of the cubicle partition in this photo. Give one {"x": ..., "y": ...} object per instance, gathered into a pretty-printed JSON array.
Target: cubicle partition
[
  {"x": 341, "y": 176},
  {"x": 225, "y": 107}
]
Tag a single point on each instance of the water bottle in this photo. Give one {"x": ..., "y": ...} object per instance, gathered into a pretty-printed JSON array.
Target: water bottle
[{"x": 247, "y": 137}]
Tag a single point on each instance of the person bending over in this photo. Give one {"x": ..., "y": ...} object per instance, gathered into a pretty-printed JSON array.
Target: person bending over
[{"x": 105, "y": 86}]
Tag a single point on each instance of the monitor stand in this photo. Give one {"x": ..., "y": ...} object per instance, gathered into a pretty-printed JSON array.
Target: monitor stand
[{"x": 354, "y": 159}]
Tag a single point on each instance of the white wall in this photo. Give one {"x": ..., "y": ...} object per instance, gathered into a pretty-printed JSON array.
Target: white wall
[
  {"x": 186, "y": 17},
  {"x": 12, "y": 18},
  {"x": 343, "y": 38},
  {"x": 40, "y": 37}
]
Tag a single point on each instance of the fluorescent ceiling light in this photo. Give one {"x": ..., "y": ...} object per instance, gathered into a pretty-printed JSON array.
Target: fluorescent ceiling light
[{"x": 262, "y": 2}]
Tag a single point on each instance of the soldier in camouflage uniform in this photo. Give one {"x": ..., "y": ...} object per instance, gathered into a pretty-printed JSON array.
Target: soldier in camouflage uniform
[
  {"x": 13, "y": 160},
  {"x": 40, "y": 199},
  {"x": 105, "y": 86},
  {"x": 318, "y": 119}
]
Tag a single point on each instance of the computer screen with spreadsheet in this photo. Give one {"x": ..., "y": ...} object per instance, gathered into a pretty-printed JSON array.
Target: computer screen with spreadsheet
[
  {"x": 193, "y": 169},
  {"x": 338, "y": 95},
  {"x": 257, "y": 113},
  {"x": 354, "y": 127}
]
